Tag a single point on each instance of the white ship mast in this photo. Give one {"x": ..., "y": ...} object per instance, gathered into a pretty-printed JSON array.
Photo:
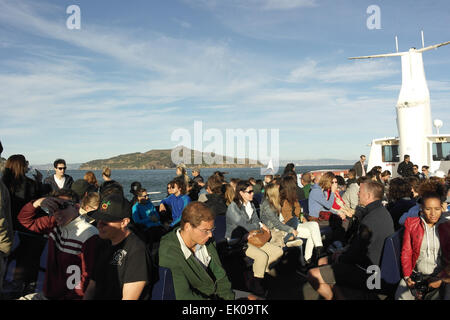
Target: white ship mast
[{"x": 413, "y": 106}]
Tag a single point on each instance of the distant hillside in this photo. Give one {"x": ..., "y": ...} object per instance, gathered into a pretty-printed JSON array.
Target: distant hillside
[{"x": 161, "y": 159}]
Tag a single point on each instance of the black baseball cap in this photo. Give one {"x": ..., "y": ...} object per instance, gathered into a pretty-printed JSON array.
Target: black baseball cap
[
  {"x": 81, "y": 186},
  {"x": 114, "y": 207},
  {"x": 135, "y": 186}
]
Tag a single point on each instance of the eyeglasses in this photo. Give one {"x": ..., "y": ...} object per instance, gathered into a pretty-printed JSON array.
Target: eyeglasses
[
  {"x": 61, "y": 168},
  {"x": 249, "y": 192},
  {"x": 206, "y": 231}
]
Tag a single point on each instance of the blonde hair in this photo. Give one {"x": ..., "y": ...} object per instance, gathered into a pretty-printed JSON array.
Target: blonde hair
[
  {"x": 272, "y": 194},
  {"x": 106, "y": 172},
  {"x": 326, "y": 180},
  {"x": 92, "y": 200},
  {"x": 229, "y": 194}
]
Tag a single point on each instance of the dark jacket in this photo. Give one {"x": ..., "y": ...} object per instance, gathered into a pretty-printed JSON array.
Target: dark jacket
[
  {"x": 51, "y": 185},
  {"x": 405, "y": 169},
  {"x": 6, "y": 228},
  {"x": 366, "y": 247},
  {"x": 21, "y": 192},
  {"x": 217, "y": 203},
  {"x": 358, "y": 169},
  {"x": 190, "y": 279},
  {"x": 398, "y": 208}
]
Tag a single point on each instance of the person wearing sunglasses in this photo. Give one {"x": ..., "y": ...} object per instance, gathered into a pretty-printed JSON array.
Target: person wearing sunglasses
[
  {"x": 192, "y": 258},
  {"x": 60, "y": 180},
  {"x": 144, "y": 214},
  {"x": 241, "y": 219}
]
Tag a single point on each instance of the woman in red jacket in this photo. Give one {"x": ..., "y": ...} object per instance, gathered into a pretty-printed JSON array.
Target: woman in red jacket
[{"x": 424, "y": 249}]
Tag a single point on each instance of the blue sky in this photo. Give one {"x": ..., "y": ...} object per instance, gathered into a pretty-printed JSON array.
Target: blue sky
[{"x": 138, "y": 70}]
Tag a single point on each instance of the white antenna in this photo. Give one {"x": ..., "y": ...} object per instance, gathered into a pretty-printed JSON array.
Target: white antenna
[
  {"x": 438, "y": 124},
  {"x": 423, "y": 40},
  {"x": 396, "y": 42}
]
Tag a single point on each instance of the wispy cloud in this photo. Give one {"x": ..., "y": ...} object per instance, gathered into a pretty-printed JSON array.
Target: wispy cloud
[{"x": 350, "y": 72}]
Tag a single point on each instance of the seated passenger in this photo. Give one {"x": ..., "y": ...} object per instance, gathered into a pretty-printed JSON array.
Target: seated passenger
[
  {"x": 193, "y": 260},
  {"x": 71, "y": 245},
  {"x": 421, "y": 249},
  {"x": 291, "y": 213},
  {"x": 348, "y": 266},
  {"x": 241, "y": 218},
  {"x": 177, "y": 200},
  {"x": 145, "y": 215}
]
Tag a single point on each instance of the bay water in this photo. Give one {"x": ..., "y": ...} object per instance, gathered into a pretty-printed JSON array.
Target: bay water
[{"x": 155, "y": 181}]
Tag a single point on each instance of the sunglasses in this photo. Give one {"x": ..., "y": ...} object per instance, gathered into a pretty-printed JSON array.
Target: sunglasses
[
  {"x": 249, "y": 192},
  {"x": 61, "y": 168}
]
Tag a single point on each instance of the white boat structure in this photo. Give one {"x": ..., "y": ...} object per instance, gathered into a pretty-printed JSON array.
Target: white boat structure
[{"x": 415, "y": 136}]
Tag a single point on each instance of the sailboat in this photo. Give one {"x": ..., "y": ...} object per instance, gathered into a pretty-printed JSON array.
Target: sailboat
[{"x": 415, "y": 137}]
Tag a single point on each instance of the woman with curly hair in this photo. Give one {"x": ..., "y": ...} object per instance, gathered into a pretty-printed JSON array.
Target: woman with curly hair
[
  {"x": 426, "y": 186},
  {"x": 424, "y": 239}
]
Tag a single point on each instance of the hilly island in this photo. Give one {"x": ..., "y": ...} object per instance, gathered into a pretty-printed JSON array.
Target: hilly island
[{"x": 162, "y": 159}]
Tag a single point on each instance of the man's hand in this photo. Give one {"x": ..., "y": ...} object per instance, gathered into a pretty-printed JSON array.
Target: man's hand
[
  {"x": 38, "y": 202},
  {"x": 410, "y": 283},
  {"x": 52, "y": 204},
  {"x": 435, "y": 283},
  {"x": 264, "y": 227}
]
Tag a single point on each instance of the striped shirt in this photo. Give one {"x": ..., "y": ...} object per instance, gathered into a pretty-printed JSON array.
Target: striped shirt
[{"x": 71, "y": 253}]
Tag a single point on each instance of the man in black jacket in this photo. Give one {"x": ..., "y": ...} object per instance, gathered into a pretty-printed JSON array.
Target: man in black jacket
[
  {"x": 359, "y": 167},
  {"x": 349, "y": 266},
  {"x": 59, "y": 180},
  {"x": 405, "y": 168}
]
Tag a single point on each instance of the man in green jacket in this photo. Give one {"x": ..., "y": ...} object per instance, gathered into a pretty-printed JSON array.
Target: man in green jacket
[{"x": 196, "y": 269}]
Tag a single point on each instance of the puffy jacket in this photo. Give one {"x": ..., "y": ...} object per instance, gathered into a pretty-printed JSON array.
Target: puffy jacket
[{"x": 412, "y": 241}]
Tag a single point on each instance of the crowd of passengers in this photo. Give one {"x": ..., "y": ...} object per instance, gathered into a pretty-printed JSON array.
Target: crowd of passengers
[{"x": 102, "y": 246}]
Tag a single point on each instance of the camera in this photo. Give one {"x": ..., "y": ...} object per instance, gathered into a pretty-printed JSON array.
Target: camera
[{"x": 420, "y": 287}]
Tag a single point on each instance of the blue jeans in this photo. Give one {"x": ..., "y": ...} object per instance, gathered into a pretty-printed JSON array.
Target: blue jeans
[{"x": 293, "y": 222}]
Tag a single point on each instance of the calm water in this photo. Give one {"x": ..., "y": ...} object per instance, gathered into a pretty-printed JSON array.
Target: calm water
[{"x": 156, "y": 180}]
